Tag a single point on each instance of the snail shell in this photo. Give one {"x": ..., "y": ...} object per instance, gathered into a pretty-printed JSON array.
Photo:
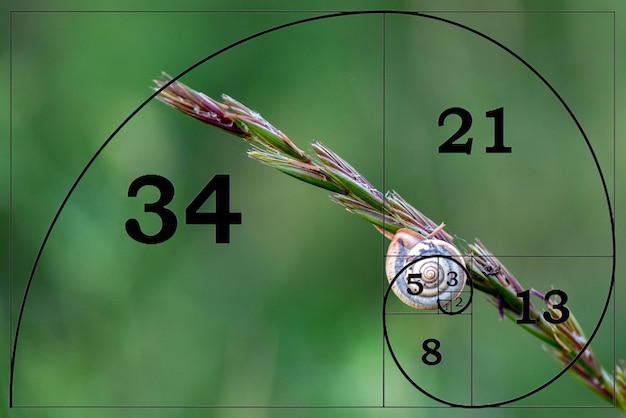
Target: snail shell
[{"x": 430, "y": 282}]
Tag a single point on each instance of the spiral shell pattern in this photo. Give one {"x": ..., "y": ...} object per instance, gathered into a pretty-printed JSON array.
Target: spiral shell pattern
[{"x": 435, "y": 274}]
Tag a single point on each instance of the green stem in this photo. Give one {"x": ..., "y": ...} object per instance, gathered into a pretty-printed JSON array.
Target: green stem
[{"x": 390, "y": 212}]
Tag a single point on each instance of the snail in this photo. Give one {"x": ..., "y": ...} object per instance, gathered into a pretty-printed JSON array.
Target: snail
[{"x": 429, "y": 281}]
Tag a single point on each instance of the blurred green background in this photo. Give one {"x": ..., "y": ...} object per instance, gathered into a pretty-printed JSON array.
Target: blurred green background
[{"x": 289, "y": 312}]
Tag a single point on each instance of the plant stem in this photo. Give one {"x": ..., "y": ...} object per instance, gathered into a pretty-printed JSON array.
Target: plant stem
[{"x": 390, "y": 212}]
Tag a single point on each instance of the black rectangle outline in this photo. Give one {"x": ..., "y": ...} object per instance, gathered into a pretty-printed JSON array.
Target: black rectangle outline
[{"x": 10, "y": 304}]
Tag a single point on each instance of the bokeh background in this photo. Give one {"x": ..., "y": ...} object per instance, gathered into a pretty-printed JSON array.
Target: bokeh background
[{"x": 289, "y": 313}]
